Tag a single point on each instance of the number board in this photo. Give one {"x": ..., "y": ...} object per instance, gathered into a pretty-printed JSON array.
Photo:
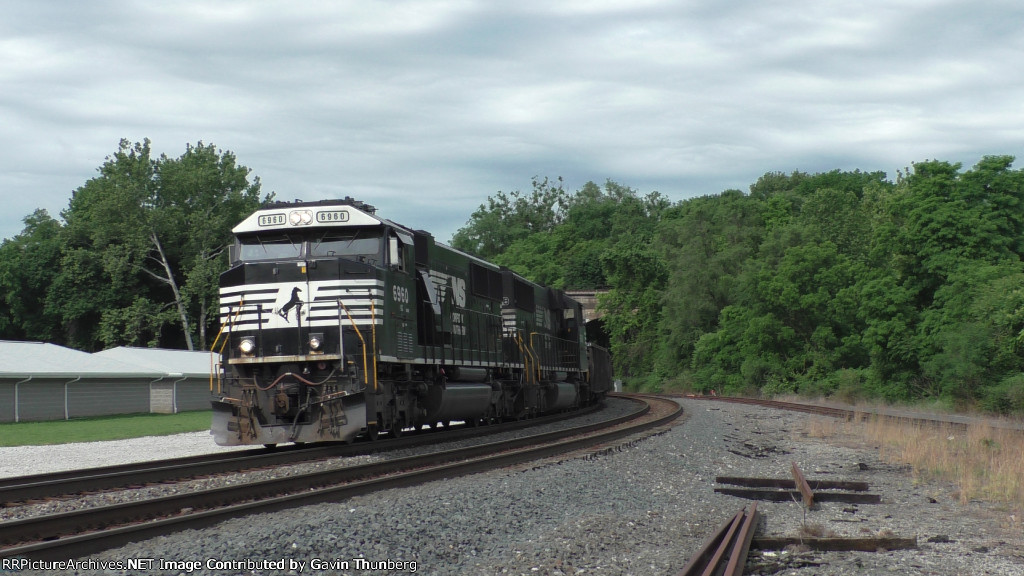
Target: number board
[
  {"x": 330, "y": 216},
  {"x": 272, "y": 219}
]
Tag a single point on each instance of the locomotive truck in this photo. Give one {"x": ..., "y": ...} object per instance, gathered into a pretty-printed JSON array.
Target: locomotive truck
[{"x": 337, "y": 323}]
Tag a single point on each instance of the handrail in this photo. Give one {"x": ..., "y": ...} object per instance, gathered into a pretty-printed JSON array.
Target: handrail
[
  {"x": 231, "y": 321},
  {"x": 528, "y": 359},
  {"x": 359, "y": 334},
  {"x": 560, "y": 345},
  {"x": 373, "y": 332},
  {"x": 537, "y": 364}
]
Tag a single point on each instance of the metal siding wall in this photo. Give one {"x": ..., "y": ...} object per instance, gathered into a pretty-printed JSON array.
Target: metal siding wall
[
  {"x": 7, "y": 401},
  {"x": 41, "y": 400},
  {"x": 100, "y": 398},
  {"x": 194, "y": 394}
]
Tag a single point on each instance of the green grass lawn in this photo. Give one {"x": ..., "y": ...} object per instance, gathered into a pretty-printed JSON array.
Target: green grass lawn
[{"x": 102, "y": 428}]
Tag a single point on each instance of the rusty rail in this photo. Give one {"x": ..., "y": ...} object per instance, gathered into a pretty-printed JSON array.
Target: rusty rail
[
  {"x": 802, "y": 486},
  {"x": 727, "y": 547}
]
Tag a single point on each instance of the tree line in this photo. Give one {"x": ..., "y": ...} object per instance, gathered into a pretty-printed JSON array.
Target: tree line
[
  {"x": 840, "y": 283},
  {"x": 136, "y": 256}
]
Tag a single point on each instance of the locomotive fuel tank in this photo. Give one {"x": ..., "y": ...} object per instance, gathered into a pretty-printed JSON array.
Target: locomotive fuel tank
[
  {"x": 560, "y": 396},
  {"x": 457, "y": 401}
]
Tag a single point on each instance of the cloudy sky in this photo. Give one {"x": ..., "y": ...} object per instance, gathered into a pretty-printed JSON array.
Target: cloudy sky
[{"x": 424, "y": 108}]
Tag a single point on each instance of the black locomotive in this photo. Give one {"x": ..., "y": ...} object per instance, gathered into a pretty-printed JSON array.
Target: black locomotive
[{"x": 337, "y": 323}]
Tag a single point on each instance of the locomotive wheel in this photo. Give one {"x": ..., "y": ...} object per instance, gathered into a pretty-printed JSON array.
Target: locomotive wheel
[
  {"x": 396, "y": 428},
  {"x": 372, "y": 432}
]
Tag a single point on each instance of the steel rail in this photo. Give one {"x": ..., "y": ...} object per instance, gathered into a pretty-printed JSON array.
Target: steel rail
[
  {"x": 51, "y": 485},
  {"x": 862, "y": 415},
  {"x": 725, "y": 551},
  {"x": 171, "y": 513}
]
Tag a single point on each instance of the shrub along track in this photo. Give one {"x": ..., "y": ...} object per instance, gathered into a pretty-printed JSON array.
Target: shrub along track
[{"x": 87, "y": 531}]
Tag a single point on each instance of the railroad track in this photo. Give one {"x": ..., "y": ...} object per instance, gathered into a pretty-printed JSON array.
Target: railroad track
[
  {"x": 91, "y": 480},
  {"x": 952, "y": 421},
  {"x": 793, "y": 406},
  {"x": 74, "y": 534}
]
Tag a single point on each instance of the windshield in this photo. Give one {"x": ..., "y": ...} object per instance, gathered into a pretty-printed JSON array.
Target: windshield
[
  {"x": 348, "y": 243},
  {"x": 277, "y": 247}
]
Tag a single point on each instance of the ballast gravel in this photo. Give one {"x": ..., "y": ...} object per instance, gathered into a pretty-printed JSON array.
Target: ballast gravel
[
  {"x": 641, "y": 510},
  {"x": 108, "y": 453}
]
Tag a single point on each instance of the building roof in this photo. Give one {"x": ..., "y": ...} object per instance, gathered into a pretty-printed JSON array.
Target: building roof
[
  {"x": 171, "y": 362},
  {"x": 42, "y": 360},
  {"x": 25, "y": 360}
]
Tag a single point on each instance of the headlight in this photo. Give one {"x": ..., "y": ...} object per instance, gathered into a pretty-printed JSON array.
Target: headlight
[
  {"x": 247, "y": 346},
  {"x": 315, "y": 342},
  {"x": 303, "y": 217}
]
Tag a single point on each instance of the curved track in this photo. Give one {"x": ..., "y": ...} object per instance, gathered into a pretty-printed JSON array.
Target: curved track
[
  {"x": 954, "y": 421},
  {"x": 87, "y": 531},
  {"x": 40, "y": 486}
]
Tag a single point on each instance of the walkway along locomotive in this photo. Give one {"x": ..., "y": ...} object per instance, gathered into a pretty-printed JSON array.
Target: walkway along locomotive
[{"x": 337, "y": 323}]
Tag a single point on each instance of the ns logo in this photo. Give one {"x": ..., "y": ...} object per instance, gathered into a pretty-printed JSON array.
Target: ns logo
[
  {"x": 457, "y": 285},
  {"x": 459, "y": 289}
]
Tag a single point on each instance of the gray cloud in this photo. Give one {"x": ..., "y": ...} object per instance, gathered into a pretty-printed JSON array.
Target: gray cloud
[{"x": 426, "y": 108}]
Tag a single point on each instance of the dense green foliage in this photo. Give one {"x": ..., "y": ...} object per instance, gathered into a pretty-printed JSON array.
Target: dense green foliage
[
  {"x": 841, "y": 283},
  {"x": 137, "y": 256}
]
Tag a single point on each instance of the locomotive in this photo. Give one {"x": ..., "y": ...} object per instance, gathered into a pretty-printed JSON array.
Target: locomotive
[{"x": 337, "y": 323}]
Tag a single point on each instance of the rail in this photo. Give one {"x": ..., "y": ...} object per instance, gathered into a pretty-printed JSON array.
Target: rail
[
  {"x": 725, "y": 551},
  {"x": 61, "y": 536},
  {"x": 57, "y": 484}
]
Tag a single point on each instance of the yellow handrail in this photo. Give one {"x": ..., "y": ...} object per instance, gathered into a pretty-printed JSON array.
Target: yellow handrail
[
  {"x": 527, "y": 357},
  {"x": 537, "y": 364},
  {"x": 214, "y": 345},
  {"x": 360, "y": 335}
]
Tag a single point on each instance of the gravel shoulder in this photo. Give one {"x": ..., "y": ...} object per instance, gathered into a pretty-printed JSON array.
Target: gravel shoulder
[
  {"x": 639, "y": 510},
  {"x": 25, "y": 460}
]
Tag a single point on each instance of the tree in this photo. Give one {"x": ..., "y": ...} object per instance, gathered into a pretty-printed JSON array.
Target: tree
[
  {"x": 705, "y": 245},
  {"x": 27, "y": 264},
  {"x": 200, "y": 197},
  {"x": 144, "y": 243},
  {"x": 507, "y": 218}
]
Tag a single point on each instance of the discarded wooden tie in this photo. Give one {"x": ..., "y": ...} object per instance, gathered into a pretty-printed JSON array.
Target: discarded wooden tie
[
  {"x": 799, "y": 488},
  {"x": 837, "y": 544}
]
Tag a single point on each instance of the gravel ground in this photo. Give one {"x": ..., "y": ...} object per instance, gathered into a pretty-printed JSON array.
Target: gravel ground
[
  {"x": 642, "y": 510},
  {"x": 25, "y": 460},
  {"x": 106, "y": 453}
]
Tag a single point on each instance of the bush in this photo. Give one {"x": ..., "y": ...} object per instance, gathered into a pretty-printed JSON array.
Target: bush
[
  {"x": 817, "y": 387},
  {"x": 849, "y": 385},
  {"x": 1007, "y": 397}
]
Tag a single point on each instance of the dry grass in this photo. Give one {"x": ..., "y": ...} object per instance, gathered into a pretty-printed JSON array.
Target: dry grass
[
  {"x": 814, "y": 530},
  {"x": 984, "y": 462}
]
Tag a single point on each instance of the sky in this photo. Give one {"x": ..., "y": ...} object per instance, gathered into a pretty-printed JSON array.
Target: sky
[{"x": 424, "y": 108}]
